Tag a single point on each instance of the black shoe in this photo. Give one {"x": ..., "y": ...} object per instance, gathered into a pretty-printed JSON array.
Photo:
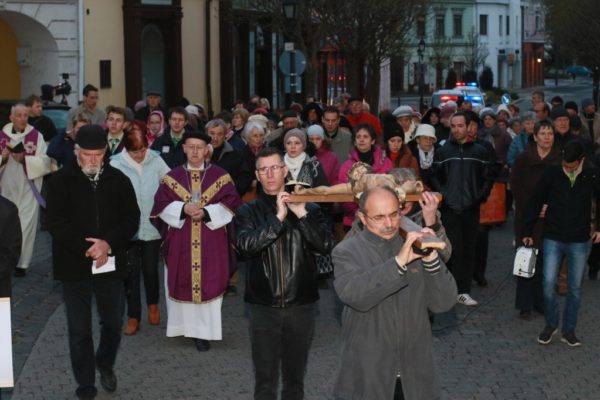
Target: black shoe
[
  {"x": 108, "y": 380},
  {"x": 481, "y": 281},
  {"x": 231, "y": 291},
  {"x": 20, "y": 272},
  {"x": 202, "y": 345},
  {"x": 570, "y": 339},
  {"x": 86, "y": 393},
  {"x": 546, "y": 336},
  {"x": 525, "y": 314}
]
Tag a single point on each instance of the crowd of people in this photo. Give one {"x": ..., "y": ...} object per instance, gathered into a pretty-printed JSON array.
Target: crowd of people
[{"x": 126, "y": 191}]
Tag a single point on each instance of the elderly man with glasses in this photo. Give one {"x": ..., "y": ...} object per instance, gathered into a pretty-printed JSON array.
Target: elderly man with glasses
[{"x": 387, "y": 288}]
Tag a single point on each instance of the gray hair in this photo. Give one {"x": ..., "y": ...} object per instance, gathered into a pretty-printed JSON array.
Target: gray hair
[
  {"x": 250, "y": 127},
  {"x": 14, "y": 108},
  {"x": 216, "y": 123},
  {"x": 526, "y": 116}
]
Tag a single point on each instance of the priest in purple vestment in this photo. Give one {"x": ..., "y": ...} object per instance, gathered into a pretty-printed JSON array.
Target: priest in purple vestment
[{"x": 193, "y": 209}]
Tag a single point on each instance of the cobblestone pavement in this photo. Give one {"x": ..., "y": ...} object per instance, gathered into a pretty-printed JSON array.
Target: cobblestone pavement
[{"x": 482, "y": 353}]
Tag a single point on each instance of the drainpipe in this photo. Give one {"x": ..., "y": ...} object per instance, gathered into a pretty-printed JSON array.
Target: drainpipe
[
  {"x": 81, "y": 54},
  {"x": 209, "y": 104}
]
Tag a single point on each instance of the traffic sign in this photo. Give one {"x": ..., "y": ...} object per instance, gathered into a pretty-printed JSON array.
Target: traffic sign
[{"x": 285, "y": 62}]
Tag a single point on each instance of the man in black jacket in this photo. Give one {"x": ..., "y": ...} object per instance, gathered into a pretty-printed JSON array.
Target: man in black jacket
[
  {"x": 280, "y": 240},
  {"x": 169, "y": 143},
  {"x": 464, "y": 177},
  {"x": 92, "y": 214},
  {"x": 567, "y": 190}
]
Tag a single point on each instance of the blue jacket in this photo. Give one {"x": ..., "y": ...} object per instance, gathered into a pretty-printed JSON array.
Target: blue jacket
[{"x": 145, "y": 186}]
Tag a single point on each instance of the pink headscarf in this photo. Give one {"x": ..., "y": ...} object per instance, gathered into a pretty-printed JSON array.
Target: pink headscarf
[{"x": 163, "y": 125}]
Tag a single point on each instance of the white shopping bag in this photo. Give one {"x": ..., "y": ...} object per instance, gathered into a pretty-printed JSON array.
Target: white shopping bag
[{"x": 6, "y": 364}]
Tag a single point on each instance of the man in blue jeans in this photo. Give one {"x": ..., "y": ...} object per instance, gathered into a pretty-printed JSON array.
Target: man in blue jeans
[{"x": 565, "y": 195}]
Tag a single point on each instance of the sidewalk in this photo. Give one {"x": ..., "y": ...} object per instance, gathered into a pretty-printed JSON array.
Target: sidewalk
[{"x": 481, "y": 353}]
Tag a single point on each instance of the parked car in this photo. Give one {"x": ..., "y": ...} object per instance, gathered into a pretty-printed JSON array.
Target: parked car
[
  {"x": 442, "y": 96},
  {"x": 579, "y": 70},
  {"x": 472, "y": 93}
]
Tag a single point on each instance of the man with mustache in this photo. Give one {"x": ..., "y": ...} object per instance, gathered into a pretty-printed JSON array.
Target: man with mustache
[
  {"x": 387, "y": 288},
  {"x": 92, "y": 214}
]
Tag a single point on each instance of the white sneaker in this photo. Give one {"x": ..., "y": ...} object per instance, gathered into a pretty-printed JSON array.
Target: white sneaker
[{"x": 466, "y": 299}]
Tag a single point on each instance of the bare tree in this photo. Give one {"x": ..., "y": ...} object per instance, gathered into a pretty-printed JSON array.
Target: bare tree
[
  {"x": 476, "y": 52},
  {"x": 305, "y": 30},
  {"x": 367, "y": 32},
  {"x": 442, "y": 52},
  {"x": 574, "y": 29}
]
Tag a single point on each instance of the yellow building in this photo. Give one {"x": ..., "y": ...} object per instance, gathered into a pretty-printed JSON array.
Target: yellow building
[{"x": 124, "y": 47}]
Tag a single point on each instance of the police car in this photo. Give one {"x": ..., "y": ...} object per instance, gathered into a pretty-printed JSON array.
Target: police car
[
  {"x": 471, "y": 93},
  {"x": 443, "y": 96}
]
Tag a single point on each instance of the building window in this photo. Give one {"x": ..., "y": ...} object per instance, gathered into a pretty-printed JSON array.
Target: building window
[
  {"x": 500, "y": 25},
  {"x": 440, "y": 29},
  {"x": 483, "y": 25},
  {"x": 507, "y": 25},
  {"x": 421, "y": 26},
  {"x": 457, "y": 25},
  {"x": 158, "y": 2},
  {"x": 538, "y": 22}
]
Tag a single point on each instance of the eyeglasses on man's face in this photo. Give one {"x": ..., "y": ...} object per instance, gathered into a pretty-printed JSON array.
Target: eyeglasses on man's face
[
  {"x": 381, "y": 218},
  {"x": 272, "y": 168}
]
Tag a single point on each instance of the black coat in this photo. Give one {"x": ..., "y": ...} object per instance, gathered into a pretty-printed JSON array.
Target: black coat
[
  {"x": 569, "y": 211},
  {"x": 280, "y": 256},
  {"x": 75, "y": 211},
  {"x": 171, "y": 154},
  {"x": 10, "y": 243},
  {"x": 233, "y": 162},
  {"x": 463, "y": 174}
]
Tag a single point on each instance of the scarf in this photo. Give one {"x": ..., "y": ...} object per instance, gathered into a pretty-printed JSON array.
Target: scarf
[
  {"x": 425, "y": 158},
  {"x": 294, "y": 164},
  {"x": 367, "y": 157},
  {"x": 95, "y": 178}
]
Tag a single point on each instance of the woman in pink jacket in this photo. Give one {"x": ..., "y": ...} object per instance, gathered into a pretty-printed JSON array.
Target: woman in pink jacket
[
  {"x": 327, "y": 158},
  {"x": 366, "y": 151}
]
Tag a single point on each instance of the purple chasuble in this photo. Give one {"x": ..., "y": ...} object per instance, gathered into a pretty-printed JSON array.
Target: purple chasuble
[{"x": 197, "y": 257}]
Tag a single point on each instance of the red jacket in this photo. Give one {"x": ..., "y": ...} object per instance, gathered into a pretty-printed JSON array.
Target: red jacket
[{"x": 365, "y": 118}]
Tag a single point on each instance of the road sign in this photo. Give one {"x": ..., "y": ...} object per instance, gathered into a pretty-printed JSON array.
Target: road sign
[{"x": 285, "y": 62}]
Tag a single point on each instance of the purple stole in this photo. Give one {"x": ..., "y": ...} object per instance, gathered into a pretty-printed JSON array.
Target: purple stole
[
  {"x": 197, "y": 257},
  {"x": 30, "y": 144}
]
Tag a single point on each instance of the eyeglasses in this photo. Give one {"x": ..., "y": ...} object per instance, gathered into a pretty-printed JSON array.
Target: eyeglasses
[
  {"x": 272, "y": 168},
  {"x": 380, "y": 218},
  {"x": 195, "y": 148}
]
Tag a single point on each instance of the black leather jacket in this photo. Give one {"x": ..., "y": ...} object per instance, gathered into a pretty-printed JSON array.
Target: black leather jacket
[
  {"x": 280, "y": 256},
  {"x": 463, "y": 174}
]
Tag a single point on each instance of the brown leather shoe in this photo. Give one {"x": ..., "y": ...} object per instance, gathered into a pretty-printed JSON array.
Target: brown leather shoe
[
  {"x": 153, "y": 314},
  {"x": 133, "y": 325}
]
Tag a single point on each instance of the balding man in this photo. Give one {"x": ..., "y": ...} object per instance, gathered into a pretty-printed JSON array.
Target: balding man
[
  {"x": 23, "y": 166},
  {"x": 387, "y": 289}
]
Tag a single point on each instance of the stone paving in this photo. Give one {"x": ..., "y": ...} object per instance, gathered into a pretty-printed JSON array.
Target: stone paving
[{"x": 482, "y": 353}]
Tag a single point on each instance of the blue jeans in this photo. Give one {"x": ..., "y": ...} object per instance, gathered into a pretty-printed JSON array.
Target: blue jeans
[{"x": 576, "y": 254}]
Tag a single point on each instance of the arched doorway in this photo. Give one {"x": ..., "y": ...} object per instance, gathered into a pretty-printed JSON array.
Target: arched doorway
[
  {"x": 153, "y": 60},
  {"x": 36, "y": 53}
]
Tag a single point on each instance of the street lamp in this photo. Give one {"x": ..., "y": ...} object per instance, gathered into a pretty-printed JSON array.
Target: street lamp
[
  {"x": 289, "y": 13},
  {"x": 421, "y": 53}
]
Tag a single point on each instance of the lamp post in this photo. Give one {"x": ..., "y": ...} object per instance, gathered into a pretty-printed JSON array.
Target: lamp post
[
  {"x": 421, "y": 53},
  {"x": 289, "y": 13}
]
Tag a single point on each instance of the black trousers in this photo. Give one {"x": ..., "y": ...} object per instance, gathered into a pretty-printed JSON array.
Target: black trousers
[
  {"x": 530, "y": 291},
  {"x": 110, "y": 303},
  {"x": 142, "y": 259},
  {"x": 481, "y": 251},
  {"x": 462, "y": 232},
  {"x": 280, "y": 337}
]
